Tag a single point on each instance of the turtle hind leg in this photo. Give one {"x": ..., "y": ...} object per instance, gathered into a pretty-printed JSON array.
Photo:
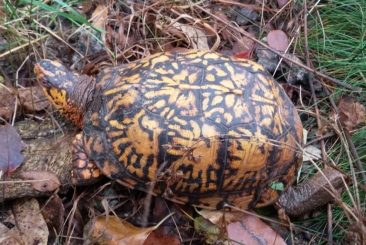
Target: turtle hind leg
[{"x": 84, "y": 170}]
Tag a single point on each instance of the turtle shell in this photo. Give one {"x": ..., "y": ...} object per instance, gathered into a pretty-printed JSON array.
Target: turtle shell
[{"x": 197, "y": 127}]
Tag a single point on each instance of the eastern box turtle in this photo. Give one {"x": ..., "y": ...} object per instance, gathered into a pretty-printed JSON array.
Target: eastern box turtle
[{"x": 193, "y": 126}]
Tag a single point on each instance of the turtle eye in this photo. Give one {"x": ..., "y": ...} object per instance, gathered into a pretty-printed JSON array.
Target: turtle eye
[{"x": 44, "y": 83}]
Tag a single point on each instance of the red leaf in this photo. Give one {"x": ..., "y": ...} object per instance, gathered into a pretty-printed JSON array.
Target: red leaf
[
  {"x": 278, "y": 40},
  {"x": 10, "y": 147},
  {"x": 244, "y": 55},
  {"x": 251, "y": 230},
  {"x": 243, "y": 47},
  {"x": 281, "y": 3}
]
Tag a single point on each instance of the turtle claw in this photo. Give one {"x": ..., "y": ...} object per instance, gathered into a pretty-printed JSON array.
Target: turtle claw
[{"x": 84, "y": 170}]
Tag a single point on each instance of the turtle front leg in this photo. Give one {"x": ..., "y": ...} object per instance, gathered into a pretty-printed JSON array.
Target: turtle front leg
[{"x": 84, "y": 171}]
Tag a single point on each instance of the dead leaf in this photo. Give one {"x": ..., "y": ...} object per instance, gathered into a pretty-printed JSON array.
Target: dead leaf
[
  {"x": 3, "y": 228},
  {"x": 217, "y": 216},
  {"x": 244, "y": 45},
  {"x": 10, "y": 147},
  {"x": 7, "y": 103},
  {"x": 112, "y": 230},
  {"x": 99, "y": 16},
  {"x": 33, "y": 99},
  {"x": 291, "y": 24},
  {"x": 165, "y": 240},
  {"x": 86, "y": 7},
  {"x": 277, "y": 40},
  {"x": 53, "y": 212},
  {"x": 351, "y": 113},
  {"x": 2, "y": 10},
  {"x": 212, "y": 232},
  {"x": 251, "y": 230},
  {"x": 281, "y": 3},
  {"x": 225, "y": 33},
  {"x": 197, "y": 38},
  {"x": 325, "y": 128},
  {"x": 329, "y": 125},
  {"x": 47, "y": 181},
  {"x": 121, "y": 38},
  {"x": 311, "y": 153},
  {"x": 162, "y": 208},
  {"x": 31, "y": 227}
]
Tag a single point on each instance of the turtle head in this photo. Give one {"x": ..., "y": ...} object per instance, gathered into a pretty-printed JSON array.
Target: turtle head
[
  {"x": 56, "y": 81},
  {"x": 70, "y": 92}
]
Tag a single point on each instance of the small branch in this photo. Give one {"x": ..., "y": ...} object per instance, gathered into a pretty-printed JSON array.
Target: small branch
[{"x": 319, "y": 139}]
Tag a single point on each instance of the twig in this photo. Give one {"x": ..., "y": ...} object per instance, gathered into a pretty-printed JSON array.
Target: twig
[{"x": 319, "y": 139}]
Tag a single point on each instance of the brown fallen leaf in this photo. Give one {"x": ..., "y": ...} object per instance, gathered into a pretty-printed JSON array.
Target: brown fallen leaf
[
  {"x": 243, "y": 47},
  {"x": 196, "y": 38},
  {"x": 251, "y": 230},
  {"x": 220, "y": 25},
  {"x": 99, "y": 16},
  {"x": 328, "y": 126},
  {"x": 112, "y": 230},
  {"x": 33, "y": 99},
  {"x": 162, "y": 208},
  {"x": 53, "y": 212},
  {"x": 2, "y": 11},
  {"x": 217, "y": 216},
  {"x": 165, "y": 240},
  {"x": 10, "y": 147},
  {"x": 47, "y": 181},
  {"x": 118, "y": 38},
  {"x": 30, "y": 228},
  {"x": 351, "y": 113},
  {"x": 86, "y": 7},
  {"x": 278, "y": 40},
  {"x": 7, "y": 103}
]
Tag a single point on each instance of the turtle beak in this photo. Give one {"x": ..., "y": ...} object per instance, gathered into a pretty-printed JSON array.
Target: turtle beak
[{"x": 37, "y": 70}]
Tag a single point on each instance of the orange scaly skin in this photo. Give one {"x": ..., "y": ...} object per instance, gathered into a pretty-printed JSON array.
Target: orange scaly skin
[{"x": 194, "y": 126}]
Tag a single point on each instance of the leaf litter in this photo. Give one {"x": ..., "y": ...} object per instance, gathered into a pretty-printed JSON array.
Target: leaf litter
[{"x": 124, "y": 33}]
